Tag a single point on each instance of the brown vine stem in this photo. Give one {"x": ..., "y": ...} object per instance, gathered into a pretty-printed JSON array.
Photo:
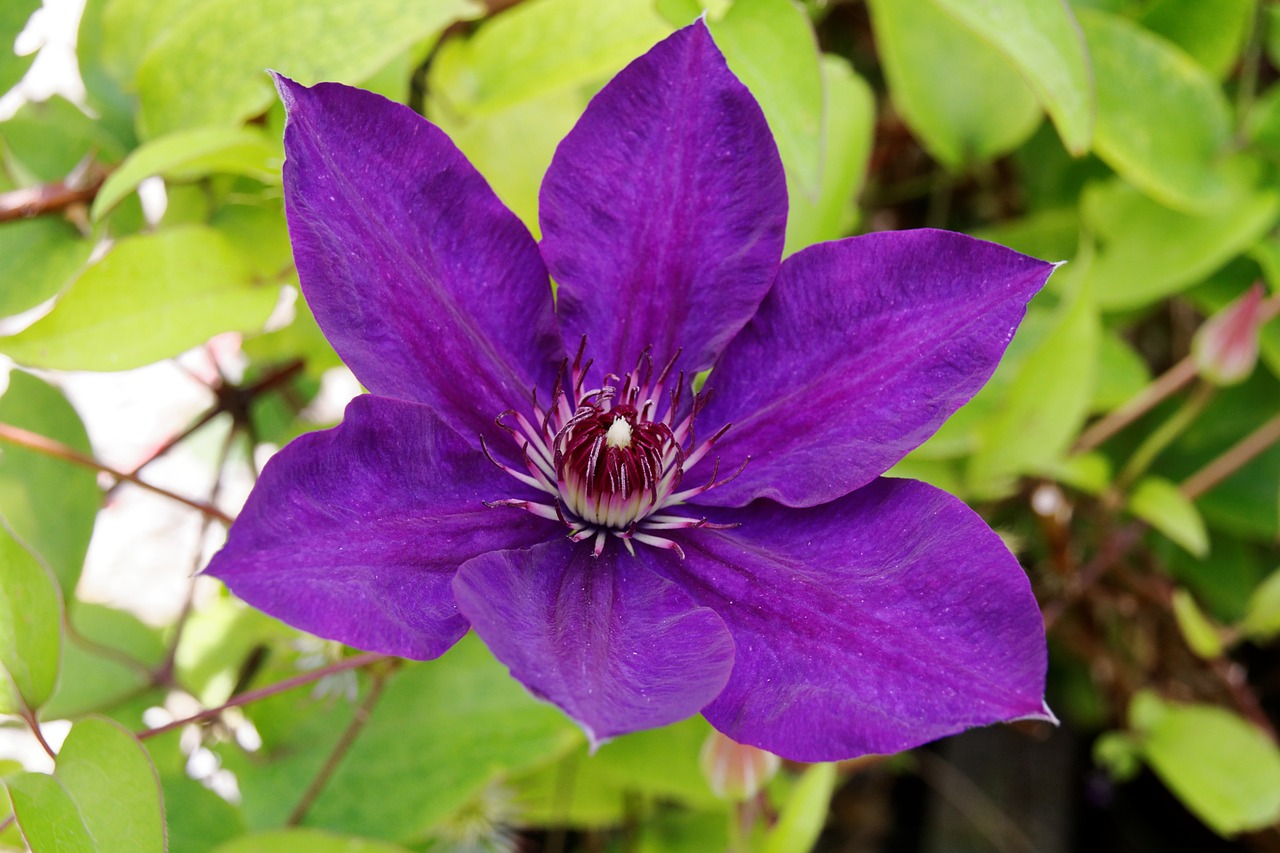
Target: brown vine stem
[
  {"x": 251, "y": 696},
  {"x": 1166, "y": 384},
  {"x": 56, "y": 197},
  {"x": 1235, "y": 458},
  {"x": 43, "y": 444},
  {"x": 340, "y": 749}
]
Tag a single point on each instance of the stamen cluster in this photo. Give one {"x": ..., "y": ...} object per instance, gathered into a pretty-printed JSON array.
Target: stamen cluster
[{"x": 613, "y": 457}]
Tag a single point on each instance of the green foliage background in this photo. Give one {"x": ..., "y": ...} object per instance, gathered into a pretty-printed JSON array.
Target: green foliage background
[{"x": 1137, "y": 139}]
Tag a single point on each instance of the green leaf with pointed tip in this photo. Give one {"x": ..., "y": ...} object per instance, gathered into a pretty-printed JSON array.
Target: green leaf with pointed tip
[
  {"x": 1262, "y": 619},
  {"x": 30, "y": 628},
  {"x": 804, "y": 812},
  {"x": 1222, "y": 768},
  {"x": 152, "y": 297},
  {"x": 953, "y": 89},
  {"x": 537, "y": 48},
  {"x": 1212, "y": 33},
  {"x": 47, "y": 815},
  {"x": 850, "y": 123},
  {"x": 37, "y": 258},
  {"x": 1163, "y": 122},
  {"x": 305, "y": 841},
  {"x": 191, "y": 154},
  {"x": 1119, "y": 753},
  {"x": 1147, "y": 251},
  {"x": 207, "y": 69},
  {"x": 1159, "y": 503},
  {"x": 1042, "y": 41},
  {"x": 1048, "y": 399},
  {"x": 55, "y": 523},
  {"x": 110, "y": 778},
  {"x": 770, "y": 45},
  {"x": 14, "y": 15},
  {"x": 1201, "y": 635}
]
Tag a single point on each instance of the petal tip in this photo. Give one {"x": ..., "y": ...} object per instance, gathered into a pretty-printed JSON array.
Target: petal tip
[
  {"x": 287, "y": 88},
  {"x": 1045, "y": 715}
]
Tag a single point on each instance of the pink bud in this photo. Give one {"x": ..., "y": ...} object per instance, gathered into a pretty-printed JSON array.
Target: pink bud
[
  {"x": 735, "y": 770},
  {"x": 1225, "y": 348}
]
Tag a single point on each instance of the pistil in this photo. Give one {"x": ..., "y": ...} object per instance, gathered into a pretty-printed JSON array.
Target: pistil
[{"x": 611, "y": 457}]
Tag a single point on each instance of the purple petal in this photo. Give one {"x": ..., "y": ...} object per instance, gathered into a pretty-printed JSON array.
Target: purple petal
[
  {"x": 877, "y": 622},
  {"x": 614, "y": 645},
  {"x": 663, "y": 211},
  {"x": 355, "y": 533},
  {"x": 424, "y": 283},
  {"x": 859, "y": 353}
]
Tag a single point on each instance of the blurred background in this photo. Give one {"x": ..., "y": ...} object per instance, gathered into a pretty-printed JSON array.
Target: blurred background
[{"x": 157, "y": 352}]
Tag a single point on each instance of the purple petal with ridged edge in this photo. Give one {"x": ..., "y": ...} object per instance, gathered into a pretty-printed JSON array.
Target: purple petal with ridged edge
[
  {"x": 860, "y": 351},
  {"x": 354, "y": 533},
  {"x": 871, "y": 624},
  {"x": 664, "y": 209},
  {"x": 615, "y": 646},
  {"x": 415, "y": 271}
]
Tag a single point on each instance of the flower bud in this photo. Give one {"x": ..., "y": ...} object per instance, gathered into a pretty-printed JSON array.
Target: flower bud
[
  {"x": 1225, "y": 348},
  {"x": 735, "y": 770}
]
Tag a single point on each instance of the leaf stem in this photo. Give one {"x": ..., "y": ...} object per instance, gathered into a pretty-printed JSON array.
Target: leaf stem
[
  {"x": 1168, "y": 383},
  {"x": 1164, "y": 435},
  {"x": 252, "y": 696},
  {"x": 1233, "y": 459},
  {"x": 43, "y": 444},
  {"x": 340, "y": 749},
  {"x": 29, "y": 717},
  {"x": 55, "y": 197}
]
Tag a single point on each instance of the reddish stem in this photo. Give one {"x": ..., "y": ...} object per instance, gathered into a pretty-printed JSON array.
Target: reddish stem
[
  {"x": 252, "y": 696},
  {"x": 58, "y": 450}
]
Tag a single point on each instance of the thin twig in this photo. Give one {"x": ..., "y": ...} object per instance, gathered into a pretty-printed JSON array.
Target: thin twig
[
  {"x": 973, "y": 803},
  {"x": 6, "y": 823},
  {"x": 340, "y": 749},
  {"x": 171, "y": 443},
  {"x": 1164, "y": 435},
  {"x": 1166, "y": 384},
  {"x": 230, "y": 399},
  {"x": 48, "y": 198},
  {"x": 43, "y": 444},
  {"x": 1236, "y": 457},
  {"x": 252, "y": 696},
  {"x": 164, "y": 674}
]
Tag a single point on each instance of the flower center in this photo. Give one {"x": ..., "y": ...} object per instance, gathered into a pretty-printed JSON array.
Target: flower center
[
  {"x": 612, "y": 458},
  {"x": 618, "y": 436}
]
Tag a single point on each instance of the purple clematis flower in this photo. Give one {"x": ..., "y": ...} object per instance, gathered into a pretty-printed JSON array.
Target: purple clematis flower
[{"x": 541, "y": 471}]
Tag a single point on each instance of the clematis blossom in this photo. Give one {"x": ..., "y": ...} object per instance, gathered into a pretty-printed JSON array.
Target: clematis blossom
[{"x": 541, "y": 470}]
